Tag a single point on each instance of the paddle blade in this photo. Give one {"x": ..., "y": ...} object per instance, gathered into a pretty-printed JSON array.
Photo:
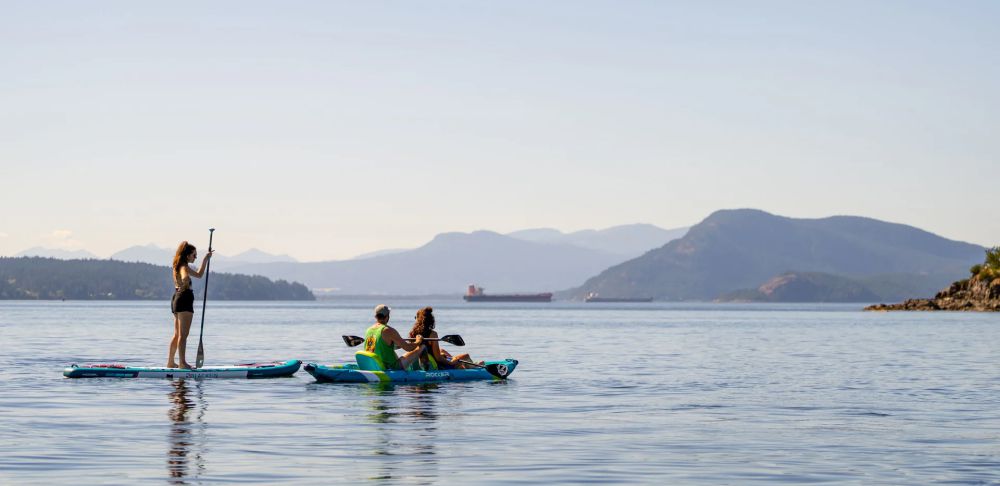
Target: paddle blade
[
  {"x": 200, "y": 360},
  {"x": 498, "y": 370},
  {"x": 454, "y": 339},
  {"x": 352, "y": 341}
]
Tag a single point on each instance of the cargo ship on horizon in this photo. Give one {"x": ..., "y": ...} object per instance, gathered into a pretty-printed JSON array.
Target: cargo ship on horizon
[{"x": 475, "y": 294}]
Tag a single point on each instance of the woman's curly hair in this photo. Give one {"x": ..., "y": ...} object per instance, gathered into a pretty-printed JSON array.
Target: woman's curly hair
[{"x": 424, "y": 324}]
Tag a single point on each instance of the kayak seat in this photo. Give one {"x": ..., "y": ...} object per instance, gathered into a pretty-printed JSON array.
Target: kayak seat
[
  {"x": 368, "y": 361},
  {"x": 425, "y": 363}
]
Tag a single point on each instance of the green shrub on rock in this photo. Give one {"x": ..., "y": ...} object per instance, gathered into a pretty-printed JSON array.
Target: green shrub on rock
[
  {"x": 975, "y": 269},
  {"x": 993, "y": 258}
]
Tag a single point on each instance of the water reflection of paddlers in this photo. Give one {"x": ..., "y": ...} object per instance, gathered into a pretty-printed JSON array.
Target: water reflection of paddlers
[{"x": 183, "y": 440}]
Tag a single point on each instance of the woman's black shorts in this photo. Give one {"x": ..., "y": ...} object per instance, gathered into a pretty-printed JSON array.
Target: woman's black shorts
[{"x": 183, "y": 301}]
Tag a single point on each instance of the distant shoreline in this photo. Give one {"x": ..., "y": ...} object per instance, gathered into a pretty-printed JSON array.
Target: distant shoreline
[{"x": 50, "y": 279}]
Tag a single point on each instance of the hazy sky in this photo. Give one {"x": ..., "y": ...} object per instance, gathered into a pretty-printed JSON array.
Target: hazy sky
[{"x": 328, "y": 129}]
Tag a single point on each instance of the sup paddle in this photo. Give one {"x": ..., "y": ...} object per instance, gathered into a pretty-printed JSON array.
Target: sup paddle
[
  {"x": 352, "y": 341},
  {"x": 204, "y": 300}
]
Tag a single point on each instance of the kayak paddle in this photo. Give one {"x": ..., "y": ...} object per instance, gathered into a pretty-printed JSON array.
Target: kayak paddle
[
  {"x": 496, "y": 369},
  {"x": 352, "y": 341},
  {"x": 204, "y": 300}
]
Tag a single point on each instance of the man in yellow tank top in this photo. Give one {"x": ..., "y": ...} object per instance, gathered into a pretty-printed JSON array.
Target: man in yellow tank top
[{"x": 383, "y": 340}]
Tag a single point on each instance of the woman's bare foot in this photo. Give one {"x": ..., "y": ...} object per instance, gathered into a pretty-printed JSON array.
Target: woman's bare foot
[
  {"x": 171, "y": 364},
  {"x": 185, "y": 366}
]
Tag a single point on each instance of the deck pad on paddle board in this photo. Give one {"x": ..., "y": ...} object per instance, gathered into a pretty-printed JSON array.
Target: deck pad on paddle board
[{"x": 121, "y": 370}]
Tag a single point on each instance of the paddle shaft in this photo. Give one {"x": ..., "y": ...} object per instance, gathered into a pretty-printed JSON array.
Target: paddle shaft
[
  {"x": 204, "y": 300},
  {"x": 455, "y": 339}
]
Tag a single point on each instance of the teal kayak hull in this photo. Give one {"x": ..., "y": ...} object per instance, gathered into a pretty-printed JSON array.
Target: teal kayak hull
[
  {"x": 350, "y": 373},
  {"x": 250, "y": 370}
]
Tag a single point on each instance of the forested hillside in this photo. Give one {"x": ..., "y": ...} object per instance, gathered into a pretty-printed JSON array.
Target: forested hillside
[
  {"x": 743, "y": 248},
  {"x": 92, "y": 279}
]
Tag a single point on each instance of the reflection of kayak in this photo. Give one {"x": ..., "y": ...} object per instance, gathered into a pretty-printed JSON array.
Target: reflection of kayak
[
  {"x": 248, "y": 370},
  {"x": 352, "y": 373}
]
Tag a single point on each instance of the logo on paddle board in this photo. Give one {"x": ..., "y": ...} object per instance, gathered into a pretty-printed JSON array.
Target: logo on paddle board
[{"x": 502, "y": 369}]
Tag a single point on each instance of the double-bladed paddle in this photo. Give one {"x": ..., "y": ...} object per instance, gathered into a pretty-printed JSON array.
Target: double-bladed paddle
[
  {"x": 204, "y": 300},
  {"x": 455, "y": 339}
]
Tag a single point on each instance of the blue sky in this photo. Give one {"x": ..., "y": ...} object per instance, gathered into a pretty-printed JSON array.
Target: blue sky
[{"x": 329, "y": 129}]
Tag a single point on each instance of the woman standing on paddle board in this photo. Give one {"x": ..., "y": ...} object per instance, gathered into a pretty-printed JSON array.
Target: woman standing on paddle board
[{"x": 182, "y": 304}]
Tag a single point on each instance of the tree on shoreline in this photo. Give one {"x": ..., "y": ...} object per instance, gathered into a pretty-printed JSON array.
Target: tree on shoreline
[{"x": 989, "y": 270}]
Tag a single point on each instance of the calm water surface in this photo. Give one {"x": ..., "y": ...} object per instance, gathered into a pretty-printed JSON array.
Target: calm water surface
[{"x": 649, "y": 393}]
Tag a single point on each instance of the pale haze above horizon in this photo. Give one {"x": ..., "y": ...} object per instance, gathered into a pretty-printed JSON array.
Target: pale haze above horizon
[{"x": 325, "y": 130}]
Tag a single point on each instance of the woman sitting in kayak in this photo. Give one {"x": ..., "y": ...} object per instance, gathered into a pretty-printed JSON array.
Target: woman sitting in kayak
[
  {"x": 424, "y": 328},
  {"x": 382, "y": 340},
  {"x": 182, "y": 304}
]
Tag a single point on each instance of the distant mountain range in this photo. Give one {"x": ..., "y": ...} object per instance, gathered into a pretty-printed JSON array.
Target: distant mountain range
[
  {"x": 628, "y": 241},
  {"x": 152, "y": 254},
  {"x": 56, "y": 253},
  {"x": 375, "y": 253},
  {"x": 447, "y": 264},
  {"x": 741, "y": 254},
  {"x": 745, "y": 248},
  {"x": 523, "y": 261},
  {"x": 158, "y": 255}
]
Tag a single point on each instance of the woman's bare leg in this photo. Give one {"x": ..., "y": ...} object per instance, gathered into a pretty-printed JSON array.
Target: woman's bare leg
[
  {"x": 456, "y": 360},
  {"x": 409, "y": 357},
  {"x": 173, "y": 342},
  {"x": 185, "y": 328}
]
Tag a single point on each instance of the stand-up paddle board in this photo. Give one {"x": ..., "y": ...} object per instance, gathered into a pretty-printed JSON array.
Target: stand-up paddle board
[{"x": 246, "y": 370}]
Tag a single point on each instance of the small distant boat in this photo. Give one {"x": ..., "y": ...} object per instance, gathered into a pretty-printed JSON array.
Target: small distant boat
[
  {"x": 475, "y": 294},
  {"x": 593, "y": 297}
]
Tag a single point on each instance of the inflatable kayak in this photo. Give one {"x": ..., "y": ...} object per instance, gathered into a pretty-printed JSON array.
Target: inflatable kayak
[
  {"x": 246, "y": 370},
  {"x": 366, "y": 371}
]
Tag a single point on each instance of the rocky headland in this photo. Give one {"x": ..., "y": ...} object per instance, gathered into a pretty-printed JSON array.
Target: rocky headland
[{"x": 979, "y": 293}]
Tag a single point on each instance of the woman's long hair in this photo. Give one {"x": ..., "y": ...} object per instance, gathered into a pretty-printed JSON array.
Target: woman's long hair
[
  {"x": 184, "y": 250},
  {"x": 424, "y": 324}
]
